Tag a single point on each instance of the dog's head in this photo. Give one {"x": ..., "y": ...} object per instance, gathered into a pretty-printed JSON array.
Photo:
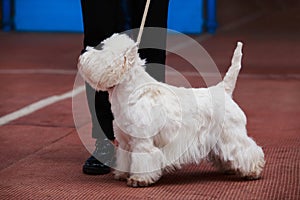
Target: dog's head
[{"x": 106, "y": 65}]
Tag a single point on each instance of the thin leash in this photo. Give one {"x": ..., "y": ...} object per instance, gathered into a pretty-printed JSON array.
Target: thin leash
[{"x": 143, "y": 23}]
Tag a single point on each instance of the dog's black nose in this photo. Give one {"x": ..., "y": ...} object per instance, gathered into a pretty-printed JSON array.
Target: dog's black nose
[{"x": 83, "y": 51}]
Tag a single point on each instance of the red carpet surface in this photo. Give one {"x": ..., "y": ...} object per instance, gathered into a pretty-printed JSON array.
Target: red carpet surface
[{"x": 42, "y": 155}]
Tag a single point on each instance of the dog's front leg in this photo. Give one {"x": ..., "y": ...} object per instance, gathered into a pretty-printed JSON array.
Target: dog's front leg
[
  {"x": 146, "y": 163},
  {"x": 122, "y": 164},
  {"x": 123, "y": 155}
]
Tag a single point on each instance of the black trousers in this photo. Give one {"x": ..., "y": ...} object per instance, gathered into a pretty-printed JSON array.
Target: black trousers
[{"x": 102, "y": 18}]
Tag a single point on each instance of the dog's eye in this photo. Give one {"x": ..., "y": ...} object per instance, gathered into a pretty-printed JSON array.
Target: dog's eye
[{"x": 99, "y": 46}]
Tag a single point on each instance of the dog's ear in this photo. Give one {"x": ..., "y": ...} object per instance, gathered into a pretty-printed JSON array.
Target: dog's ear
[{"x": 131, "y": 55}]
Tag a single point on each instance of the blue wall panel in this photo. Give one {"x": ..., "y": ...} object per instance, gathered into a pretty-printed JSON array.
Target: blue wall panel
[
  {"x": 65, "y": 15},
  {"x": 186, "y": 16},
  {"x": 48, "y": 15}
]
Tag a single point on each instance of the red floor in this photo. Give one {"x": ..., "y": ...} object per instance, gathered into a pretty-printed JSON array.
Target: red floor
[{"x": 42, "y": 155}]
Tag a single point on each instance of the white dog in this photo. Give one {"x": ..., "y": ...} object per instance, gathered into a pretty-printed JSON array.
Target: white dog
[{"x": 161, "y": 127}]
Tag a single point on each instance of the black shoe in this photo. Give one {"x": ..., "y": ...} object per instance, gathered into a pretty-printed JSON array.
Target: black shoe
[
  {"x": 92, "y": 166},
  {"x": 101, "y": 160}
]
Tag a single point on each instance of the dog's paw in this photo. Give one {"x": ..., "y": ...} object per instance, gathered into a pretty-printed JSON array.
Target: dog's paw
[
  {"x": 136, "y": 182},
  {"x": 121, "y": 176}
]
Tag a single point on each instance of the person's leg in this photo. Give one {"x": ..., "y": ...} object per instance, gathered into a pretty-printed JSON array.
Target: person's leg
[
  {"x": 101, "y": 114},
  {"x": 157, "y": 17},
  {"x": 99, "y": 20},
  {"x": 102, "y": 131}
]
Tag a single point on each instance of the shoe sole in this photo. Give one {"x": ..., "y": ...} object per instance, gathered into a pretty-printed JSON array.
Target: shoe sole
[{"x": 95, "y": 171}]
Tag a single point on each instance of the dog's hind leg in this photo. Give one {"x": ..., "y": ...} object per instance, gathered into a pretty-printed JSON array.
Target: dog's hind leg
[
  {"x": 250, "y": 160},
  {"x": 234, "y": 149},
  {"x": 241, "y": 154},
  {"x": 146, "y": 163},
  {"x": 222, "y": 165}
]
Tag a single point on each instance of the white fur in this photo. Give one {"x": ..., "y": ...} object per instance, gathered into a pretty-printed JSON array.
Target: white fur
[{"x": 161, "y": 127}]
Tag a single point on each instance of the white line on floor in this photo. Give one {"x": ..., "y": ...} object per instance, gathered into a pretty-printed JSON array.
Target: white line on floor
[
  {"x": 37, "y": 71},
  {"x": 243, "y": 75},
  {"x": 39, "y": 105}
]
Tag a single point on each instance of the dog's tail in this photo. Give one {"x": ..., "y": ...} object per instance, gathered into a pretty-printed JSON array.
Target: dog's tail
[{"x": 230, "y": 78}]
